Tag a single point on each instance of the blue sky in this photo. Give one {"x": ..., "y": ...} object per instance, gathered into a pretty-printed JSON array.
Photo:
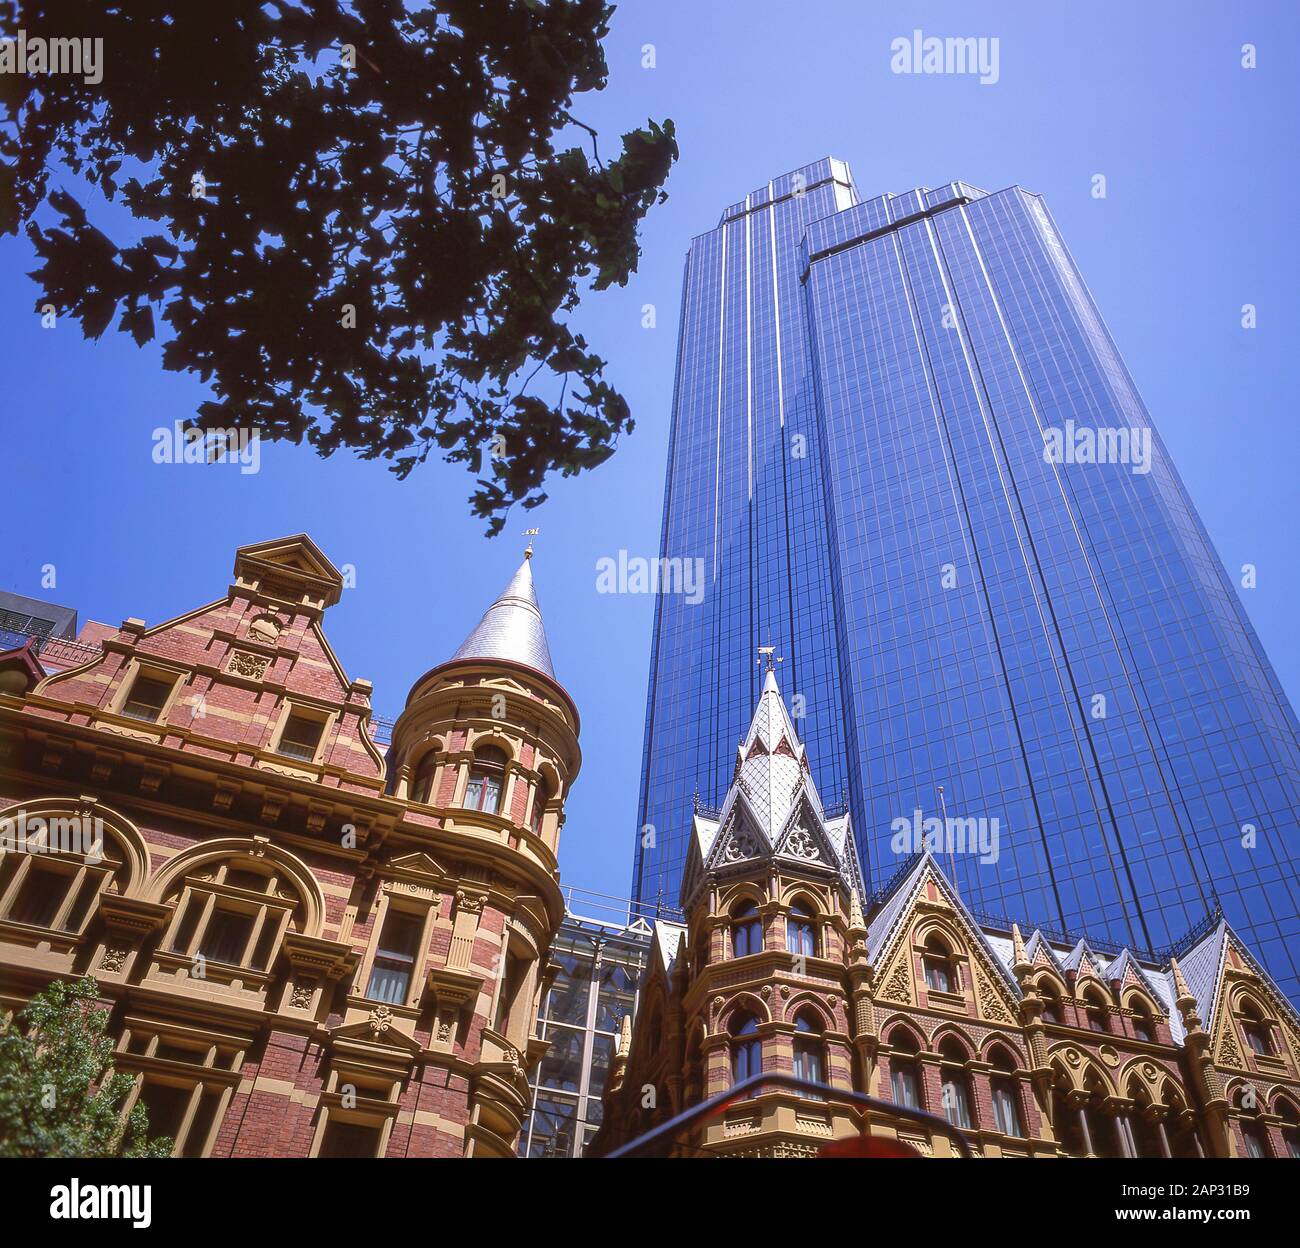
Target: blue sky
[{"x": 1198, "y": 156}]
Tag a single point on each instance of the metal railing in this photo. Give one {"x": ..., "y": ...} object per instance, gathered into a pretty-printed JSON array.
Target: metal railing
[{"x": 741, "y": 1091}]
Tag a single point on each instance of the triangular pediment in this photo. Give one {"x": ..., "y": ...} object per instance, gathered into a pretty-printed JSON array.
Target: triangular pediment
[{"x": 418, "y": 863}]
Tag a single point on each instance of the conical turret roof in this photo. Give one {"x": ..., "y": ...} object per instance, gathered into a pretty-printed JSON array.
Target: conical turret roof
[{"x": 512, "y": 628}]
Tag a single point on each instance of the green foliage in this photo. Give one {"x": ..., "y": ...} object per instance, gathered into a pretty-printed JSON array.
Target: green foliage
[
  {"x": 55, "y": 1098},
  {"x": 418, "y": 192}
]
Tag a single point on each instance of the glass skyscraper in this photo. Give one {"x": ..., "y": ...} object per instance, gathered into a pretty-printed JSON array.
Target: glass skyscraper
[{"x": 910, "y": 457}]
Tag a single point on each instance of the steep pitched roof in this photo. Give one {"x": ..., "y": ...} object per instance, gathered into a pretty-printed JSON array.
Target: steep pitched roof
[
  {"x": 772, "y": 808},
  {"x": 511, "y": 628},
  {"x": 884, "y": 924}
]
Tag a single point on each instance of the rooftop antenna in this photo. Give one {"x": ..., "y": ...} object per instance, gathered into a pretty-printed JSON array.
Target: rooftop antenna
[{"x": 952, "y": 861}]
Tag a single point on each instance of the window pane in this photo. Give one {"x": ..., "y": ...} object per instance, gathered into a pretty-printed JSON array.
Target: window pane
[
  {"x": 41, "y": 896},
  {"x": 147, "y": 698},
  {"x": 349, "y": 1139},
  {"x": 226, "y": 936}
]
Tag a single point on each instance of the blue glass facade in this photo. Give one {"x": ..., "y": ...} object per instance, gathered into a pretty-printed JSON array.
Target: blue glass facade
[{"x": 1050, "y": 638}]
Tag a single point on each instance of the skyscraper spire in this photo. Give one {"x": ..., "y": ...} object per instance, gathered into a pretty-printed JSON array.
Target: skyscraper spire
[{"x": 512, "y": 628}]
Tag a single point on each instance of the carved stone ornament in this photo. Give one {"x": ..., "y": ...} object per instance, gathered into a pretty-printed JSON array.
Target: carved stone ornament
[
  {"x": 114, "y": 958},
  {"x": 800, "y": 843},
  {"x": 265, "y": 628},
  {"x": 739, "y": 846},
  {"x": 380, "y": 1019},
  {"x": 472, "y": 903},
  {"x": 302, "y": 993},
  {"x": 253, "y": 666}
]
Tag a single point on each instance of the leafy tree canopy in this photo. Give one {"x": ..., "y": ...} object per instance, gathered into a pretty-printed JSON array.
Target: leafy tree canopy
[
  {"x": 56, "y": 1096},
  {"x": 368, "y": 231}
]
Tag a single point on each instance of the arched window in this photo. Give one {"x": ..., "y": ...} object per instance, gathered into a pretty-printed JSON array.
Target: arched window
[
  {"x": 486, "y": 780},
  {"x": 1257, "y": 1032},
  {"x": 940, "y": 967},
  {"x": 1144, "y": 1025},
  {"x": 422, "y": 785},
  {"x": 1051, "y": 1002},
  {"x": 1290, "y": 1127},
  {"x": 746, "y": 1047},
  {"x": 1006, "y": 1094},
  {"x": 801, "y": 930},
  {"x": 1095, "y": 1008},
  {"x": 904, "y": 1079},
  {"x": 1253, "y": 1132},
  {"x": 955, "y": 1086},
  {"x": 57, "y": 888},
  {"x": 233, "y": 913},
  {"x": 541, "y": 795},
  {"x": 808, "y": 1048},
  {"x": 746, "y": 930}
]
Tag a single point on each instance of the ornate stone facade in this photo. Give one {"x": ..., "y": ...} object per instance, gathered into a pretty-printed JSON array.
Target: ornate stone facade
[
  {"x": 307, "y": 948},
  {"x": 1033, "y": 1048}
]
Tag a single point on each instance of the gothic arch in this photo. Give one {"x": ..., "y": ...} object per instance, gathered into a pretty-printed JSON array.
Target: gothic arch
[
  {"x": 897, "y": 1023},
  {"x": 1076, "y": 1074},
  {"x": 1132, "y": 1074},
  {"x": 293, "y": 867},
  {"x": 949, "y": 1031},
  {"x": 994, "y": 1042},
  {"x": 1279, "y": 1096},
  {"x": 1132, "y": 992},
  {"x": 135, "y": 851},
  {"x": 1044, "y": 974},
  {"x": 744, "y": 890},
  {"x": 811, "y": 897},
  {"x": 743, "y": 1002},
  {"x": 808, "y": 1002},
  {"x": 932, "y": 925},
  {"x": 495, "y": 738}
]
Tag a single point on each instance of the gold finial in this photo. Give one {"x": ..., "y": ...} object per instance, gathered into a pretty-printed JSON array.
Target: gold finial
[{"x": 528, "y": 550}]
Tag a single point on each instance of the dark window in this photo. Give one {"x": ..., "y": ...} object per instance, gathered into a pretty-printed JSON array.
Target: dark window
[
  {"x": 1051, "y": 1005},
  {"x": 746, "y": 931},
  {"x": 394, "y": 965},
  {"x": 541, "y": 795},
  {"x": 486, "y": 780},
  {"x": 808, "y": 1051},
  {"x": 903, "y": 1081},
  {"x": 349, "y": 1139},
  {"x": 1256, "y": 1031},
  {"x": 1256, "y": 1144},
  {"x": 1006, "y": 1105},
  {"x": 801, "y": 930},
  {"x": 40, "y": 897},
  {"x": 746, "y": 1047},
  {"x": 1143, "y": 1024},
  {"x": 166, "y": 1106},
  {"x": 422, "y": 788},
  {"x": 226, "y": 936},
  {"x": 147, "y": 698},
  {"x": 300, "y": 737},
  {"x": 512, "y": 981},
  {"x": 1098, "y": 1014}
]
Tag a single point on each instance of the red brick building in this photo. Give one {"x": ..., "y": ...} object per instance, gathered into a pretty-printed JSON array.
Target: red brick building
[
  {"x": 1032, "y": 1048},
  {"x": 307, "y": 948}
]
